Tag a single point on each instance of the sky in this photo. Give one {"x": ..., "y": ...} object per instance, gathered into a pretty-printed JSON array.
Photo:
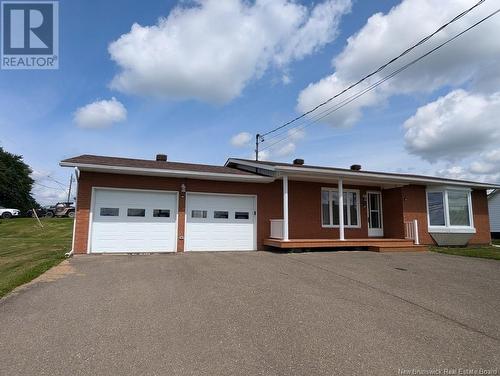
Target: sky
[{"x": 198, "y": 79}]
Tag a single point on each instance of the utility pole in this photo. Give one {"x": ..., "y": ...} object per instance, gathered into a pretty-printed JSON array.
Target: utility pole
[
  {"x": 70, "y": 183},
  {"x": 257, "y": 139}
]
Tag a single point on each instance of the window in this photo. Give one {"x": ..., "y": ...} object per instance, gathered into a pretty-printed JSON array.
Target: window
[
  {"x": 136, "y": 212},
  {"x": 109, "y": 212},
  {"x": 458, "y": 207},
  {"x": 330, "y": 208},
  {"x": 165, "y": 213},
  {"x": 241, "y": 215},
  {"x": 448, "y": 208},
  {"x": 435, "y": 202},
  {"x": 198, "y": 214},
  {"x": 219, "y": 214}
]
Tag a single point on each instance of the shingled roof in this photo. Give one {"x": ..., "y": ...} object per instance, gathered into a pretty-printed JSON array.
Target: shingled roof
[{"x": 97, "y": 160}]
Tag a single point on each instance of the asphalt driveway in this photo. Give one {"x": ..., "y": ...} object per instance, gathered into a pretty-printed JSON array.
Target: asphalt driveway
[{"x": 255, "y": 314}]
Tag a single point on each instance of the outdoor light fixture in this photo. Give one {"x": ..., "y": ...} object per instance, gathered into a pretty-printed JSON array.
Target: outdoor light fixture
[{"x": 183, "y": 188}]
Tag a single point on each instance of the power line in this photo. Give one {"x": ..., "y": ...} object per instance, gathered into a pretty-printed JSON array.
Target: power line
[
  {"x": 46, "y": 186},
  {"x": 56, "y": 181},
  {"x": 260, "y": 137},
  {"x": 348, "y": 100}
]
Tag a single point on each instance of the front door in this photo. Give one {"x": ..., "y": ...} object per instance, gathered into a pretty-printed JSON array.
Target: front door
[{"x": 375, "y": 226}]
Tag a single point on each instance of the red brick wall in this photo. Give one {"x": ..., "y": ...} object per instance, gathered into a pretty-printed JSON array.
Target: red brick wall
[
  {"x": 415, "y": 207},
  {"x": 392, "y": 211},
  {"x": 269, "y": 199},
  {"x": 481, "y": 218},
  {"x": 305, "y": 212},
  {"x": 399, "y": 205}
]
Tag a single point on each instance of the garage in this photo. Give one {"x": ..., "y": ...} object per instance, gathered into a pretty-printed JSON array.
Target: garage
[
  {"x": 133, "y": 221},
  {"x": 219, "y": 222}
]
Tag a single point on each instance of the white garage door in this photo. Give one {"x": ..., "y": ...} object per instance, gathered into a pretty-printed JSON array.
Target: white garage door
[
  {"x": 133, "y": 221},
  {"x": 220, "y": 222}
]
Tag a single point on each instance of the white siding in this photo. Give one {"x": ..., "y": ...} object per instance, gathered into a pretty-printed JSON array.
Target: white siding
[{"x": 494, "y": 209}]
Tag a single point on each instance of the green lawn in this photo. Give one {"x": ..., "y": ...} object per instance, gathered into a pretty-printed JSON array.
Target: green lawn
[
  {"x": 481, "y": 252},
  {"x": 497, "y": 242},
  {"x": 27, "y": 250}
]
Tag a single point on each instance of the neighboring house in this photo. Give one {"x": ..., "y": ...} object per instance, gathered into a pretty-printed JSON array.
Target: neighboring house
[
  {"x": 131, "y": 205},
  {"x": 494, "y": 210}
]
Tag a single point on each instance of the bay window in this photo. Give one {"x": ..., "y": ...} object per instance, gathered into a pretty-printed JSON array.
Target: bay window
[
  {"x": 449, "y": 209},
  {"x": 330, "y": 208}
]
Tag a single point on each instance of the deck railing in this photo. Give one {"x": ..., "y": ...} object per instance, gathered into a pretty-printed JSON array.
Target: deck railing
[
  {"x": 276, "y": 228},
  {"x": 411, "y": 231}
]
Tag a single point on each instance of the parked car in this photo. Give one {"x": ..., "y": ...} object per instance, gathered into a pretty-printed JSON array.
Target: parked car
[
  {"x": 6, "y": 213},
  {"x": 61, "y": 209}
]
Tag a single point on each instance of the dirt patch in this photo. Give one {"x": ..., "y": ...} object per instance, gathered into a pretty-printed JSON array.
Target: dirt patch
[{"x": 57, "y": 272}]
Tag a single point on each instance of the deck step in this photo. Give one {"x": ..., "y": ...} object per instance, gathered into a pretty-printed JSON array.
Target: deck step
[{"x": 393, "y": 248}]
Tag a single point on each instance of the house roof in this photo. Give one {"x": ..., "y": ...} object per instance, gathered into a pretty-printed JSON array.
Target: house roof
[
  {"x": 237, "y": 169},
  {"x": 298, "y": 170},
  {"x": 157, "y": 168}
]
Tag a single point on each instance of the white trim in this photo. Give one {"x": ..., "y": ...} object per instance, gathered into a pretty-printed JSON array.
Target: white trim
[
  {"x": 340, "y": 197},
  {"x": 330, "y": 207},
  {"x": 285, "y": 209},
  {"x": 166, "y": 172},
  {"x": 299, "y": 171},
  {"x": 381, "y": 212},
  {"x": 91, "y": 213},
  {"x": 77, "y": 175},
  {"x": 447, "y": 228},
  {"x": 256, "y": 219}
]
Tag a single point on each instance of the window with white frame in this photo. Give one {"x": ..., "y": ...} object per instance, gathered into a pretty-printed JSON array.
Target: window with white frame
[
  {"x": 330, "y": 208},
  {"x": 449, "y": 208}
]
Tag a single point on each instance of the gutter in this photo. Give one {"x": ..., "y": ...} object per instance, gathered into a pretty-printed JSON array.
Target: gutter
[
  {"x": 70, "y": 253},
  {"x": 167, "y": 172}
]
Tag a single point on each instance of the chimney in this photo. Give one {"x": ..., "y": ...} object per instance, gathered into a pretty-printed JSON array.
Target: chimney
[
  {"x": 298, "y": 162},
  {"x": 161, "y": 157},
  {"x": 356, "y": 167}
]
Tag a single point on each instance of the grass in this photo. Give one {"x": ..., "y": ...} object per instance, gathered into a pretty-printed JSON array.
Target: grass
[
  {"x": 27, "y": 250},
  {"x": 481, "y": 252},
  {"x": 496, "y": 241}
]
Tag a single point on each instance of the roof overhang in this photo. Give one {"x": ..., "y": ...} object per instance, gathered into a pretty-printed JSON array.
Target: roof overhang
[
  {"x": 385, "y": 180},
  {"x": 167, "y": 173}
]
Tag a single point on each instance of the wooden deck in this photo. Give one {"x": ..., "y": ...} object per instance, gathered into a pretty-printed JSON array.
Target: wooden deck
[{"x": 373, "y": 244}]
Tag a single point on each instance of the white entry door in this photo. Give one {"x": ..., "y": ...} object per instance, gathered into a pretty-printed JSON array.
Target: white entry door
[
  {"x": 375, "y": 222},
  {"x": 133, "y": 221},
  {"x": 216, "y": 222}
]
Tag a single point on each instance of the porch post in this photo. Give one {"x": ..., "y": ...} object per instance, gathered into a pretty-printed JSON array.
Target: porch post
[
  {"x": 285, "y": 207},
  {"x": 341, "y": 209}
]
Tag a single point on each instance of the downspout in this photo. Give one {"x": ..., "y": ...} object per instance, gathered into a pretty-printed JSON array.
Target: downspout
[{"x": 70, "y": 253}]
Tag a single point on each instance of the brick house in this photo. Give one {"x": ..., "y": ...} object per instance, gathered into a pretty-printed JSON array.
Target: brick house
[{"x": 132, "y": 205}]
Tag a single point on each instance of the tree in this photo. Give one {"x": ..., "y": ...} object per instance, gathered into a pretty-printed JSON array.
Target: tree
[{"x": 15, "y": 182}]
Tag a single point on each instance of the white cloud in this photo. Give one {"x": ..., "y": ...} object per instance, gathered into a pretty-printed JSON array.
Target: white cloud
[
  {"x": 489, "y": 163},
  {"x": 100, "y": 114},
  {"x": 210, "y": 50},
  {"x": 48, "y": 195},
  {"x": 296, "y": 134},
  {"x": 47, "y": 190},
  {"x": 455, "y": 126},
  {"x": 271, "y": 149},
  {"x": 473, "y": 58},
  {"x": 241, "y": 139}
]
